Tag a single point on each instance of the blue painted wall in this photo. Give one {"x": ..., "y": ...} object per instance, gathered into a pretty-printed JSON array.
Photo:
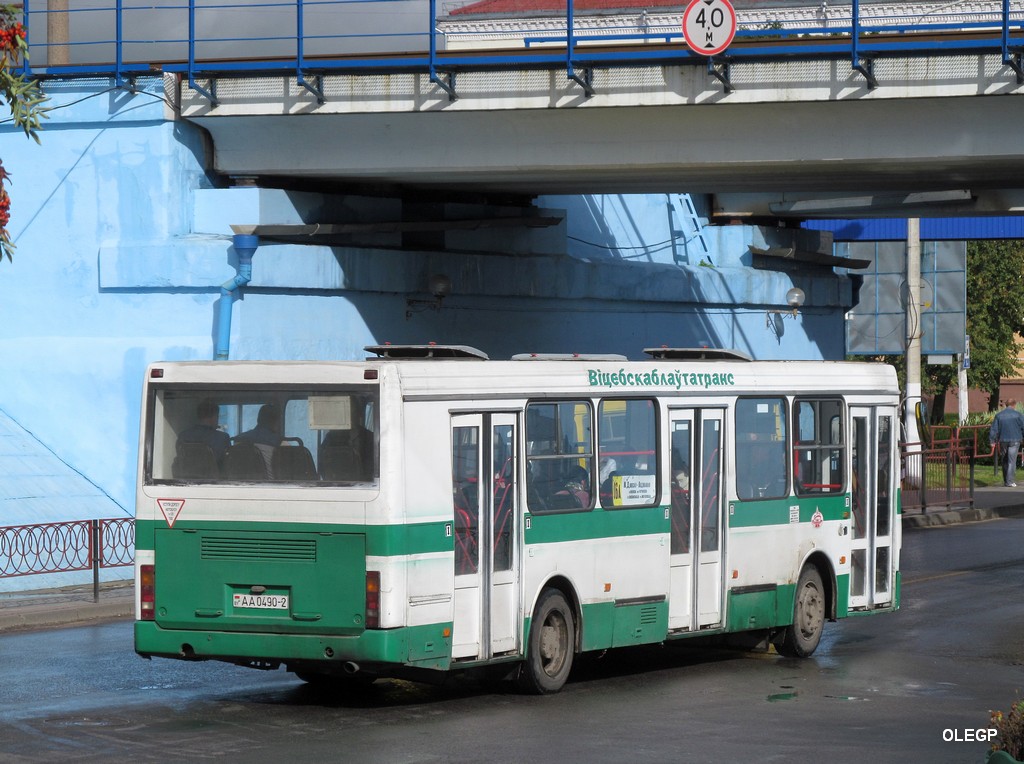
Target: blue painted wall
[{"x": 124, "y": 239}]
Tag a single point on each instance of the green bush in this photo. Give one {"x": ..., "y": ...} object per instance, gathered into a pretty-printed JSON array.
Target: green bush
[{"x": 1010, "y": 730}]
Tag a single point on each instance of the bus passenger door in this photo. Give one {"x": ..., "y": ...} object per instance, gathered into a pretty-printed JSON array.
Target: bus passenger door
[
  {"x": 695, "y": 588},
  {"x": 484, "y": 503},
  {"x": 873, "y": 511}
]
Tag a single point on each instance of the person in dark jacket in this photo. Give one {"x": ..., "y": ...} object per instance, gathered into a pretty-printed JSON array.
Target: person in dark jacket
[
  {"x": 266, "y": 435},
  {"x": 1007, "y": 430},
  {"x": 207, "y": 431}
]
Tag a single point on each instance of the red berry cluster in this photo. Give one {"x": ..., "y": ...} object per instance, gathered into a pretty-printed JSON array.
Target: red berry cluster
[
  {"x": 5, "y": 202},
  {"x": 11, "y": 36}
]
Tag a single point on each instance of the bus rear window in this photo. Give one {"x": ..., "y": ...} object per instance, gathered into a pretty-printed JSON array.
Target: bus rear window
[{"x": 269, "y": 435}]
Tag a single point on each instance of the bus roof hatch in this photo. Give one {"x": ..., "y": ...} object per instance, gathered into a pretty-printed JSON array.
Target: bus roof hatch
[
  {"x": 697, "y": 354},
  {"x": 433, "y": 351},
  {"x": 568, "y": 357}
]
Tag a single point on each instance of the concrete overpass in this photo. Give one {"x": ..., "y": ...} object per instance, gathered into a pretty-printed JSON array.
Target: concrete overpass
[
  {"x": 939, "y": 135},
  {"x": 845, "y": 119}
]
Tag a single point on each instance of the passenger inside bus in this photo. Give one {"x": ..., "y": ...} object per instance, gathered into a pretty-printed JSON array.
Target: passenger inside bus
[
  {"x": 576, "y": 491},
  {"x": 200, "y": 449},
  {"x": 261, "y": 440},
  {"x": 347, "y": 455}
]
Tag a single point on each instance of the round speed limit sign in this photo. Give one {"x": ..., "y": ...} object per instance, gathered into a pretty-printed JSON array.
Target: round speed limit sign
[{"x": 709, "y": 26}]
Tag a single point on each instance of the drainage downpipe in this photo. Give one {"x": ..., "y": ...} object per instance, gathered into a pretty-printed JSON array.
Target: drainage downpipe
[{"x": 245, "y": 247}]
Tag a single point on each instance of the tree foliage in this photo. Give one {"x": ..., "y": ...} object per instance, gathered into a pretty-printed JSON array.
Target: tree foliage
[
  {"x": 25, "y": 99},
  {"x": 995, "y": 312},
  {"x": 995, "y": 316}
]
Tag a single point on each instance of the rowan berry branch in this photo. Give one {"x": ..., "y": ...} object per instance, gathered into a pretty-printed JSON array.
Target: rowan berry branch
[{"x": 25, "y": 98}]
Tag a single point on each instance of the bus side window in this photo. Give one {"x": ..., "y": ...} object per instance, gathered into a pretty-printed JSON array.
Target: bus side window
[
  {"x": 761, "y": 461},
  {"x": 559, "y": 456},
  {"x": 819, "y": 450},
  {"x": 628, "y": 453}
]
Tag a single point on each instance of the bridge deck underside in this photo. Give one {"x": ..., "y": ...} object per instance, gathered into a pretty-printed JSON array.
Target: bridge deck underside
[{"x": 787, "y": 130}]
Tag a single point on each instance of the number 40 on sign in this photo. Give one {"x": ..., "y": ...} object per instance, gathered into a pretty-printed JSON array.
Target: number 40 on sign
[{"x": 709, "y": 26}]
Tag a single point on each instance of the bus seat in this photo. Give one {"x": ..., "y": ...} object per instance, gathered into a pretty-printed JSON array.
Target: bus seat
[
  {"x": 293, "y": 463},
  {"x": 194, "y": 461},
  {"x": 243, "y": 462},
  {"x": 341, "y": 463}
]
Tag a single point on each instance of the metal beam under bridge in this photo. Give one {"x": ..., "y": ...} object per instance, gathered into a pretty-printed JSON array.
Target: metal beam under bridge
[{"x": 800, "y": 147}]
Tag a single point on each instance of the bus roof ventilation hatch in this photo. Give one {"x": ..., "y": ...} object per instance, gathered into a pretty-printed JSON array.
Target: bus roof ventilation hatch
[
  {"x": 697, "y": 354},
  {"x": 569, "y": 357},
  {"x": 431, "y": 351}
]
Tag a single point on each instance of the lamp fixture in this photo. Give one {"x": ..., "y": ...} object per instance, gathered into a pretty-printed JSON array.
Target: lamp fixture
[
  {"x": 794, "y": 299},
  {"x": 773, "y": 316},
  {"x": 440, "y": 286}
]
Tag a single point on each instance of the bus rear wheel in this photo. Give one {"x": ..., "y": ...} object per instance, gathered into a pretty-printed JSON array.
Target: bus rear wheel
[
  {"x": 550, "y": 647},
  {"x": 800, "y": 639}
]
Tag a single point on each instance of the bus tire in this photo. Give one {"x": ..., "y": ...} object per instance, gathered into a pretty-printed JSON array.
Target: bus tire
[
  {"x": 550, "y": 647},
  {"x": 800, "y": 639}
]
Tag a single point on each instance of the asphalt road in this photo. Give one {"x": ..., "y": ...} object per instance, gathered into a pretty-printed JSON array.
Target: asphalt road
[{"x": 890, "y": 688}]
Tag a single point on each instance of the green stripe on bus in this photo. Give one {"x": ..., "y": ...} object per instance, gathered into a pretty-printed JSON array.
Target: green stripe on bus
[
  {"x": 421, "y": 646},
  {"x": 598, "y": 523},
  {"x": 381, "y": 540},
  {"x": 611, "y": 624},
  {"x": 842, "y": 595},
  {"x": 746, "y": 514},
  {"x": 758, "y": 609}
]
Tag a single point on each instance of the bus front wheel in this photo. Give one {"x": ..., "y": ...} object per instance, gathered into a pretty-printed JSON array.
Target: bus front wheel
[
  {"x": 549, "y": 649},
  {"x": 801, "y": 638}
]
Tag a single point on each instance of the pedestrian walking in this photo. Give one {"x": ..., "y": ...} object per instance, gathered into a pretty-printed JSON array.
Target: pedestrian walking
[{"x": 1007, "y": 430}]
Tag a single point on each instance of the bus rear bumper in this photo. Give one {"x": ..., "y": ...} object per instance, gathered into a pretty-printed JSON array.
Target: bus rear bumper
[{"x": 420, "y": 646}]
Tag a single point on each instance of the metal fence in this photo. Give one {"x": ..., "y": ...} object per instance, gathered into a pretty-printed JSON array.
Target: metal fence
[
  {"x": 940, "y": 473},
  {"x": 27, "y": 550}
]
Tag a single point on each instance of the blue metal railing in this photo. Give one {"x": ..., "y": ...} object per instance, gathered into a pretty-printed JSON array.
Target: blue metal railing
[{"x": 208, "y": 39}]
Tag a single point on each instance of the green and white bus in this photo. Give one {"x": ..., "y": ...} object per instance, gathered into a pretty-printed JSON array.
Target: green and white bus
[{"x": 429, "y": 510}]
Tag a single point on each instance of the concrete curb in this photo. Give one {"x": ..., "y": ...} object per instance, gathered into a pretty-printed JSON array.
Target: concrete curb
[
  {"x": 961, "y": 515},
  {"x": 32, "y": 617},
  {"x": 66, "y": 606}
]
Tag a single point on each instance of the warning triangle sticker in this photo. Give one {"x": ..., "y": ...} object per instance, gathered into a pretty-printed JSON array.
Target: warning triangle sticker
[{"x": 170, "y": 508}]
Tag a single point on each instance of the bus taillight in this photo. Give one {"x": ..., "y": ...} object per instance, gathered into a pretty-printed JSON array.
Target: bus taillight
[
  {"x": 372, "y": 599},
  {"x": 147, "y": 590}
]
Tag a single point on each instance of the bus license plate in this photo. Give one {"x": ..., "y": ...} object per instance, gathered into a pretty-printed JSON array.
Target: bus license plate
[{"x": 263, "y": 601}]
